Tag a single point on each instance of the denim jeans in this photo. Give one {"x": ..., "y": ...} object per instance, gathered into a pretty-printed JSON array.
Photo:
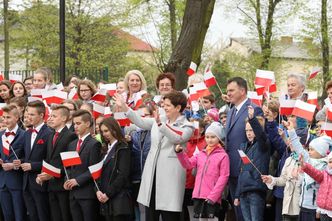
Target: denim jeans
[{"x": 252, "y": 206}]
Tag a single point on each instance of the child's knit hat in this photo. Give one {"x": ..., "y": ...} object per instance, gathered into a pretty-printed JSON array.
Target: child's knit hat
[
  {"x": 216, "y": 129},
  {"x": 321, "y": 145}
]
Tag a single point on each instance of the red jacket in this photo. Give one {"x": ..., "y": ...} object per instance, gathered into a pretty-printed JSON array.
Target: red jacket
[
  {"x": 324, "y": 199},
  {"x": 200, "y": 143}
]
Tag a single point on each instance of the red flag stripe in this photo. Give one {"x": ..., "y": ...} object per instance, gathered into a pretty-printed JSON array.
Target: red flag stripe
[
  {"x": 71, "y": 162},
  {"x": 50, "y": 172}
]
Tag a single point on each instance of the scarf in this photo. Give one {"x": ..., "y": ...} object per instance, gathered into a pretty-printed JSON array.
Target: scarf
[{"x": 209, "y": 149}]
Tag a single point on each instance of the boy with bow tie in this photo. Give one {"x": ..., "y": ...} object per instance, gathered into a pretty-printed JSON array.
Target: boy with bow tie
[
  {"x": 35, "y": 149},
  {"x": 11, "y": 148}
]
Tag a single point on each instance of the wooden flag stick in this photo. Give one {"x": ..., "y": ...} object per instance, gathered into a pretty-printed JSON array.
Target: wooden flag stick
[
  {"x": 10, "y": 146},
  {"x": 96, "y": 184},
  {"x": 66, "y": 173},
  {"x": 255, "y": 167}
]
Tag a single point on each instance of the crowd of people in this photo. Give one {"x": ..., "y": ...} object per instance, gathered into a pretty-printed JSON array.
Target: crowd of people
[{"x": 179, "y": 158}]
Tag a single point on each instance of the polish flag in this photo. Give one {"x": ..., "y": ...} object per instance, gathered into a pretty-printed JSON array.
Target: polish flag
[
  {"x": 96, "y": 170},
  {"x": 100, "y": 95},
  {"x": 1, "y": 106},
  {"x": 97, "y": 110},
  {"x": 2, "y": 77},
  {"x": 245, "y": 159},
  {"x": 110, "y": 88},
  {"x": 73, "y": 94},
  {"x": 54, "y": 96},
  {"x": 260, "y": 90},
  {"x": 327, "y": 129},
  {"x": 5, "y": 146},
  {"x": 37, "y": 92},
  {"x": 255, "y": 98},
  {"x": 314, "y": 72},
  {"x": 138, "y": 99},
  {"x": 209, "y": 79},
  {"x": 193, "y": 95},
  {"x": 14, "y": 77},
  {"x": 286, "y": 106},
  {"x": 312, "y": 98},
  {"x": 192, "y": 69},
  {"x": 201, "y": 89},
  {"x": 304, "y": 110},
  {"x": 264, "y": 78},
  {"x": 108, "y": 112},
  {"x": 59, "y": 87},
  {"x": 70, "y": 158},
  {"x": 122, "y": 119},
  {"x": 329, "y": 113},
  {"x": 47, "y": 111},
  {"x": 273, "y": 87},
  {"x": 51, "y": 170}
]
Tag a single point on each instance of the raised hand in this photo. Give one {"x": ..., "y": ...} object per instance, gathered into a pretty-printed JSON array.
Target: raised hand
[
  {"x": 178, "y": 148},
  {"x": 120, "y": 103},
  {"x": 288, "y": 124}
]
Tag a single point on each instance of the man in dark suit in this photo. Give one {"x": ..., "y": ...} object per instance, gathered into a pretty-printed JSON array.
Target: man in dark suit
[
  {"x": 35, "y": 149},
  {"x": 235, "y": 130},
  {"x": 57, "y": 143},
  {"x": 11, "y": 177},
  {"x": 83, "y": 201}
]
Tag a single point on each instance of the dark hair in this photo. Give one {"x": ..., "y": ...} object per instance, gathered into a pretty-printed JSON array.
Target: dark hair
[
  {"x": 28, "y": 78},
  {"x": 6, "y": 83},
  {"x": 68, "y": 80},
  {"x": 10, "y": 107},
  {"x": 20, "y": 101},
  {"x": 11, "y": 90},
  {"x": 177, "y": 98},
  {"x": 72, "y": 103},
  {"x": 167, "y": 75},
  {"x": 328, "y": 85},
  {"x": 64, "y": 110},
  {"x": 242, "y": 83},
  {"x": 114, "y": 127},
  {"x": 39, "y": 105},
  {"x": 210, "y": 97},
  {"x": 85, "y": 115}
]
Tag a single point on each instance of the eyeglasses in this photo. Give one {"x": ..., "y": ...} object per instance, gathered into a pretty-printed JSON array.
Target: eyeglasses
[{"x": 165, "y": 85}]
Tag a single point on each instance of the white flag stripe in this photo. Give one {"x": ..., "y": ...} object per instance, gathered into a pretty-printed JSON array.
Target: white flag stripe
[
  {"x": 98, "y": 108},
  {"x": 120, "y": 115},
  {"x": 96, "y": 166},
  {"x": 253, "y": 95},
  {"x": 305, "y": 106},
  {"x": 55, "y": 93},
  {"x": 265, "y": 74},
  {"x": 50, "y": 167},
  {"x": 69, "y": 155},
  {"x": 312, "y": 95},
  {"x": 108, "y": 87},
  {"x": 326, "y": 126}
]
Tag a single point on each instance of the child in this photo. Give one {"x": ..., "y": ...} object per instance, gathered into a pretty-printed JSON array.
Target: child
[
  {"x": 324, "y": 178},
  {"x": 251, "y": 191},
  {"x": 316, "y": 157},
  {"x": 207, "y": 197}
]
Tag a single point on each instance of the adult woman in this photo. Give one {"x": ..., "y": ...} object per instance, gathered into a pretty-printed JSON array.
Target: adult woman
[
  {"x": 86, "y": 89},
  {"x": 4, "y": 91},
  {"x": 18, "y": 90},
  {"x": 295, "y": 86},
  {"x": 165, "y": 83},
  {"x": 162, "y": 172},
  {"x": 134, "y": 82},
  {"x": 115, "y": 178}
]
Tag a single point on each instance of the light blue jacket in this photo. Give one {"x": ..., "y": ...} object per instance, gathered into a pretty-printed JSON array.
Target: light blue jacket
[{"x": 309, "y": 187}]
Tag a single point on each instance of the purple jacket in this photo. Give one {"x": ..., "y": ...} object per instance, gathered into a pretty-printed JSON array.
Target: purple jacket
[{"x": 212, "y": 173}]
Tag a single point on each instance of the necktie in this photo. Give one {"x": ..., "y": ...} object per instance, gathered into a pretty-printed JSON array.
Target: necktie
[
  {"x": 7, "y": 134},
  {"x": 78, "y": 147},
  {"x": 56, "y": 135},
  {"x": 233, "y": 116}
]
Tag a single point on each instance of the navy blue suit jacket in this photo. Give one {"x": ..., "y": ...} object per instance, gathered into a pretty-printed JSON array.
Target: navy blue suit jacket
[
  {"x": 12, "y": 179},
  {"x": 236, "y": 135},
  {"x": 35, "y": 156}
]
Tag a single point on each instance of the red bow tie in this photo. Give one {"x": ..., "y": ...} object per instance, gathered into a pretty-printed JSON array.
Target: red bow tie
[
  {"x": 7, "y": 134},
  {"x": 33, "y": 130}
]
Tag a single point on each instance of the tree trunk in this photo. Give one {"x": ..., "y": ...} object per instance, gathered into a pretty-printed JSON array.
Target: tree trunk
[
  {"x": 325, "y": 44},
  {"x": 6, "y": 35},
  {"x": 196, "y": 20}
]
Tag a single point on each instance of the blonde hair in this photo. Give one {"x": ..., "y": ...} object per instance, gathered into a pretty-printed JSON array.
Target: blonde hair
[{"x": 138, "y": 74}]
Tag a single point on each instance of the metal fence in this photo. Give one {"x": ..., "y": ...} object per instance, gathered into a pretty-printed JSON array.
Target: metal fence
[{"x": 94, "y": 74}]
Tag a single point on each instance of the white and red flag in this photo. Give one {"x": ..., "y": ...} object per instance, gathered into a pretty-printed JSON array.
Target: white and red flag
[
  {"x": 14, "y": 77},
  {"x": 209, "y": 79},
  {"x": 138, "y": 99},
  {"x": 54, "y": 96},
  {"x": 245, "y": 159},
  {"x": 1, "y": 106},
  {"x": 108, "y": 112},
  {"x": 286, "y": 107},
  {"x": 110, "y": 88},
  {"x": 96, "y": 170},
  {"x": 70, "y": 158},
  {"x": 73, "y": 95},
  {"x": 304, "y": 110},
  {"x": 314, "y": 72},
  {"x": 192, "y": 69},
  {"x": 98, "y": 110},
  {"x": 51, "y": 170},
  {"x": 327, "y": 129},
  {"x": 5, "y": 146},
  {"x": 37, "y": 93},
  {"x": 255, "y": 98},
  {"x": 2, "y": 76},
  {"x": 122, "y": 119},
  {"x": 313, "y": 98},
  {"x": 59, "y": 86},
  {"x": 198, "y": 90},
  {"x": 264, "y": 78},
  {"x": 100, "y": 95}
]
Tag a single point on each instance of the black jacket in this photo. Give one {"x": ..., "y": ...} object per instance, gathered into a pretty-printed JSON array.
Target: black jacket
[{"x": 90, "y": 155}]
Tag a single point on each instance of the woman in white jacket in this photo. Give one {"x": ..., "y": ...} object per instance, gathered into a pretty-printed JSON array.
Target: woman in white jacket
[{"x": 163, "y": 179}]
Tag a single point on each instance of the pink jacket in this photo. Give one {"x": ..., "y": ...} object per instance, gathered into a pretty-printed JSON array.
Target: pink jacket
[
  {"x": 212, "y": 173},
  {"x": 324, "y": 199}
]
